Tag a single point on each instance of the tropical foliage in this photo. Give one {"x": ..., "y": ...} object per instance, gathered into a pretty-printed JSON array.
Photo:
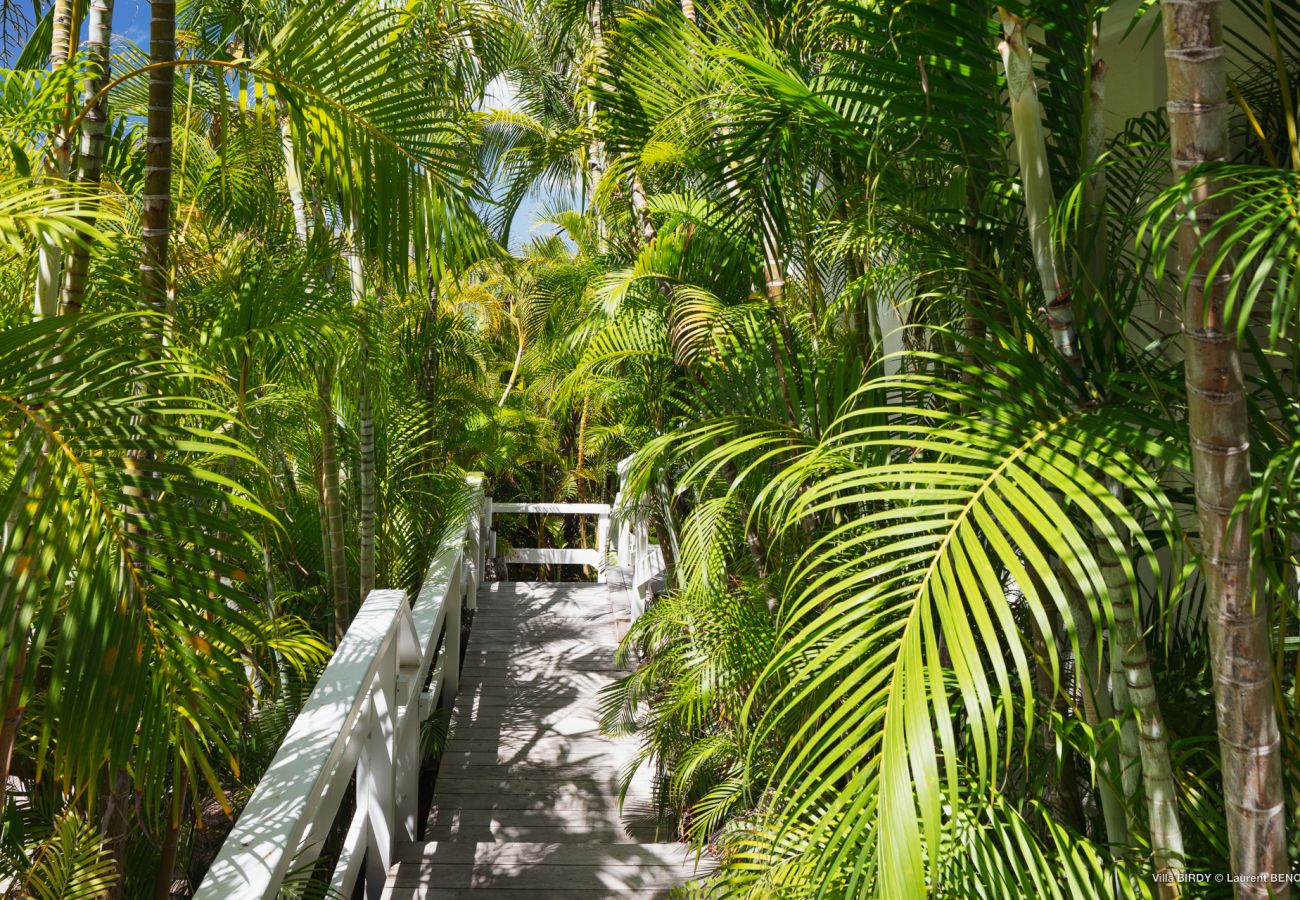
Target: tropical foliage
[{"x": 943, "y": 395}]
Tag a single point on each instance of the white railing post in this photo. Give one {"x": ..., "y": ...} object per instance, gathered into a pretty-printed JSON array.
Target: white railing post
[
  {"x": 474, "y": 546},
  {"x": 451, "y": 639},
  {"x": 406, "y": 763},
  {"x": 376, "y": 776},
  {"x": 640, "y": 566},
  {"x": 484, "y": 526},
  {"x": 602, "y": 546}
]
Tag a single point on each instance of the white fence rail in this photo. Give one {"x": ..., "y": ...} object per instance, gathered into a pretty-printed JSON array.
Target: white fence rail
[
  {"x": 633, "y": 547},
  {"x": 597, "y": 558},
  {"x": 363, "y": 718}
]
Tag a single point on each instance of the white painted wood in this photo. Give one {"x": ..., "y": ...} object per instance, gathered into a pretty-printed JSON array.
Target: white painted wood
[
  {"x": 406, "y": 800},
  {"x": 563, "y": 556},
  {"x": 590, "y": 509},
  {"x": 451, "y": 636},
  {"x": 363, "y": 718},
  {"x": 264, "y": 842},
  {"x": 528, "y": 802},
  {"x": 602, "y": 546},
  {"x": 376, "y": 779},
  {"x": 353, "y": 852}
]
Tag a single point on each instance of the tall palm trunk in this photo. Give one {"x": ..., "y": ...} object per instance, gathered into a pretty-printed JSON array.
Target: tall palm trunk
[
  {"x": 293, "y": 178},
  {"x": 171, "y": 836},
  {"x": 49, "y": 254},
  {"x": 1036, "y": 179},
  {"x": 335, "y": 549},
  {"x": 1128, "y": 644},
  {"x": 90, "y": 155},
  {"x": 158, "y": 157},
  {"x": 596, "y": 150},
  {"x": 365, "y": 416},
  {"x": 1216, "y": 407},
  {"x": 1144, "y": 754}
]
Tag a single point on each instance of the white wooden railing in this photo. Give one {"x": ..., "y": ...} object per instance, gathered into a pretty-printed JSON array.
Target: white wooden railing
[
  {"x": 633, "y": 548},
  {"x": 622, "y": 539},
  {"x": 395, "y": 665},
  {"x": 363, "y": 718},
  {"x": 597, "y": 558}
]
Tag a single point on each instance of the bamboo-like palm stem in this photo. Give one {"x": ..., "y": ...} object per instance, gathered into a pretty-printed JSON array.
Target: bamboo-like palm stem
[
  {"x": 49, "y": 252},
  {"x": 1036, "y": 179},
  {"x": 1131, "y": 669},
  {"x": 171, "y": 836},
  {"x": 1128, "y": 644},
  {"x": 157, "y": 195},
  {"x": 336, "y": 554},
  {"x": 1249, "y": 741},
  {"x": 365, "y": 415},
  {"x": 90, "y": 155}
]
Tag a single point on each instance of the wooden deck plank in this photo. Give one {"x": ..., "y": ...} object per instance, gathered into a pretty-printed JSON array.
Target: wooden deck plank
[{"x": 526, "y": 802}]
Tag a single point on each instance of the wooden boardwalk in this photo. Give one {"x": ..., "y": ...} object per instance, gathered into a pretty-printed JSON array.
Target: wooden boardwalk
[{"x": 526, "y": 801}]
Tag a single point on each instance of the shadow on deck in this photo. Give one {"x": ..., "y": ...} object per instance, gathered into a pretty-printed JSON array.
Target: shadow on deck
[{"x": 526, "y": 802}]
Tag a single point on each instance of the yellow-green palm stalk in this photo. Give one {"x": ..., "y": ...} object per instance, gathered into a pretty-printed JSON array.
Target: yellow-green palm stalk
[
  {"x": 333, "y": 550},
  {"x": 1241, "y": 652},
  {"x": 1129, "y": 646},
  {"x": 1144, "y": 744},
  {"x": 1035, "y": 177}
]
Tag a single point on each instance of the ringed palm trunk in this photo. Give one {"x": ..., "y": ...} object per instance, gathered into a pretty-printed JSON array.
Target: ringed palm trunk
[
  {"x": 1129, "y": 647},
  {"x": 1031, "y": 150},
  {"x": 1241, "y": 656},
  {"x": 596, "y": 151},
  {"x": 365, "y": 418},
  {"x": 1127, "y": 644},
  {"x": 90, "y": 154},
  {"x": 49, "y": 255},
  {"x": 1120, "y": 772},
  {"x": 335, "y": 549},
  {"x": 158, "y": 157}
]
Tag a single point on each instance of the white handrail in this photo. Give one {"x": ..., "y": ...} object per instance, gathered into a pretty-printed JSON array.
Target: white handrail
[
  {"x": 363, "y": 717},
  {"x": 632, "y": 544},
  {"x": 597, "y": 558}
]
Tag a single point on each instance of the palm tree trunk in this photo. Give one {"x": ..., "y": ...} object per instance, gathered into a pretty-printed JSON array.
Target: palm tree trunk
[
  {"x": 114, "y": 825},
  {"x": 158, "y": 157},
  {"x": 171, "y": 837},
  {"x": 596, "y": 150},
  {"x": 514, "y": 370},
  {"x": 293, "y": 178},
  {"x": 641, "y": 208},
  {"x": 1031, "y": 150},
  {"x": 1129, "y": 645},
  {"x": 1131, "y": 664},
  {"x": 1097, "y": 708},
  {"x": 336, "y": 558},
  {"x": 366, "y": 449},
  {"x": 1094, "y": 188},
  {"x": 365, "y": 416},
  {"x": 90, "y": 155},
  {"x": 1220, "y": 437},
  {"x": 13, "y": 717},
  {"x": 49, "y": 254}
]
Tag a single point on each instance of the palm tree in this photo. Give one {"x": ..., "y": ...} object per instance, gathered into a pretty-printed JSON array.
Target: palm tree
[
  {"x": 1241, "y": 650},
  {"x": 156, "y": 210},
  {"x": 90, "y": 154}
]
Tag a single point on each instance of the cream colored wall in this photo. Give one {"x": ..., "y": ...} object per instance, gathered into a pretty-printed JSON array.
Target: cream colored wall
[{"x": 1135, "y": 80}]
